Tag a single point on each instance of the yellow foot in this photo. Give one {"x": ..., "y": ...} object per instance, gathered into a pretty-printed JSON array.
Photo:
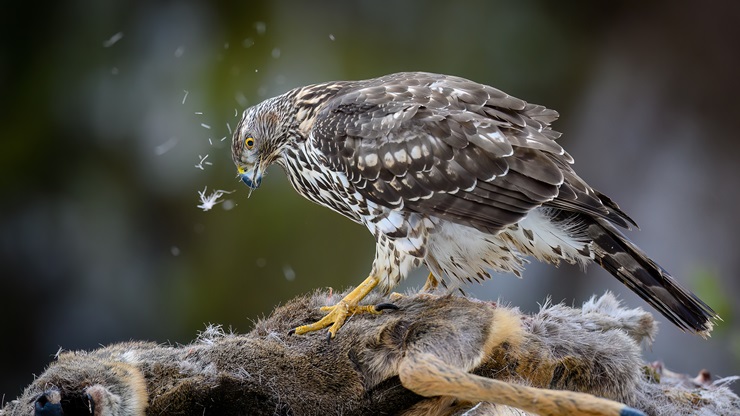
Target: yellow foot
[
  {"x": 431, "y": 284},
  {"x": 345, "y": 308},
  {"x": 336, "y": 317}
]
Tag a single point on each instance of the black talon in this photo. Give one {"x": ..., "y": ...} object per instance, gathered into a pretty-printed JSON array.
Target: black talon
[
  {"x": 291, "y": 332},
  {"x": 383, "y": 306},
  {"x": 328, "y": 337}
]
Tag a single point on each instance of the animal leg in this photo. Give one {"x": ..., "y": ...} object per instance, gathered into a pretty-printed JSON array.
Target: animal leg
[{"x": 429, "y": 376}]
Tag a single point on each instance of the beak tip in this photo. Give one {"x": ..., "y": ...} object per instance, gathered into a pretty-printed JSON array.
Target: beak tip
[{"x": 253, "y": 184}]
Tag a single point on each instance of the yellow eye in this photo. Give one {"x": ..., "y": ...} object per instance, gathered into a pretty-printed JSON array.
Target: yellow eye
[{"x": 249, "y": 142}]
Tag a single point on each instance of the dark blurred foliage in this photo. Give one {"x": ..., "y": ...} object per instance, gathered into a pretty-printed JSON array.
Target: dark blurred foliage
[{"x": 100, "y": 236}]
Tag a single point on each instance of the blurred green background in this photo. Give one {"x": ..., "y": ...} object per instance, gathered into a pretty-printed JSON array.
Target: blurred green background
[{"x": 100, "y": 236}]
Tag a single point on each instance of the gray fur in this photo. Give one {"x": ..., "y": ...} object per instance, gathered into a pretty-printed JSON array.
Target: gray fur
[{"x": 266, "y": 372}]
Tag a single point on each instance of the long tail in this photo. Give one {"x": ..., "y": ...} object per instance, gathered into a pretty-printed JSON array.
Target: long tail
[{"x": 625, "y": 261}]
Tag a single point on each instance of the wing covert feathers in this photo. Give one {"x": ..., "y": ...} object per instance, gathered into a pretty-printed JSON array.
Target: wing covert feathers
[{"x": 443, "y": 146}]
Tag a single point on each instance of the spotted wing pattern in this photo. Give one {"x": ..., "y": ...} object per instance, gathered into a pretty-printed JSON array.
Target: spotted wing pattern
[{"x": 452, "y": 148}]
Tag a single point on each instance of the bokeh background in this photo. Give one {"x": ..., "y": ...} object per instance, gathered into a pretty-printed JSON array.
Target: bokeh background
[{"x": 107, "y": 107}]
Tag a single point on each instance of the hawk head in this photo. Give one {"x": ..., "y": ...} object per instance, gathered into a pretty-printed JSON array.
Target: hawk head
[{"x": 258, "y": 141}]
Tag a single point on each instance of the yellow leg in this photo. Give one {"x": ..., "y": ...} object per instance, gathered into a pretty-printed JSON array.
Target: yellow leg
[
  {"x": 431, "y": 283},
  {"x": 343, "y": 309}
]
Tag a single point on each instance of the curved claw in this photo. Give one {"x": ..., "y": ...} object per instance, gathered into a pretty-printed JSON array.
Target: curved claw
[{"x": 384, "y": 306}]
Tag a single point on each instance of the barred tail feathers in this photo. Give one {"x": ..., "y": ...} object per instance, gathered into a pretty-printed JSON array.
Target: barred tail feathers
[{"x": 625, "y": 261}]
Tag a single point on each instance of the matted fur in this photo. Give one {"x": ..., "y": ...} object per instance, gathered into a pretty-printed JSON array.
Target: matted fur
[{"x": 267, "y": 372}]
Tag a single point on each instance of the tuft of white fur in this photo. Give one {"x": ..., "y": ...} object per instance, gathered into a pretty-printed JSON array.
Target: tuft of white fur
[{"x": 607, "y": 312}]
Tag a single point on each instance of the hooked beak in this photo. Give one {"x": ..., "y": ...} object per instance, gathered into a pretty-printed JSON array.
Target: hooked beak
[{"x": 252, "y": 177}]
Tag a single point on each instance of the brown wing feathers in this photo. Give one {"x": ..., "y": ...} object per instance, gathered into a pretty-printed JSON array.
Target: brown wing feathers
[{"x": 444, "y": 146}]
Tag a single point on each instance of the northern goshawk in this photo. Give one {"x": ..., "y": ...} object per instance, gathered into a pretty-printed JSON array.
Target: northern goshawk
[{"x": 451, "y": 174}]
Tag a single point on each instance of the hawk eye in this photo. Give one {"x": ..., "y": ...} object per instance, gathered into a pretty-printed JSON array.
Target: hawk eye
[{"x": 249, "y": 142}]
